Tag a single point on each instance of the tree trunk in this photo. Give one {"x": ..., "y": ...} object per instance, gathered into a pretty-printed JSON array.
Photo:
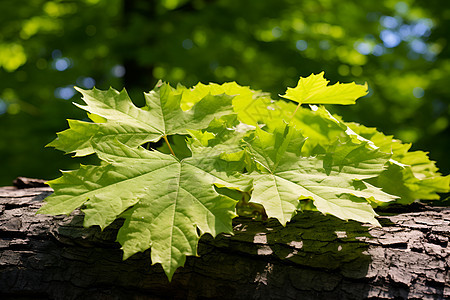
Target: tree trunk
[{"x": 313, "y": 257}]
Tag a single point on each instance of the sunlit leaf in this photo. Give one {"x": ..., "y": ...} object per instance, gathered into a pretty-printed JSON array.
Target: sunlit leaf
[
  {"x": 314, "y": 89},
  {"x": 335, "y": 182}
]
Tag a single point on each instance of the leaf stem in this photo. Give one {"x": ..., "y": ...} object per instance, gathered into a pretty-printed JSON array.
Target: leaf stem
[
  {"x": 168, "y": 144},
  {"x": 295, "y": 111}
]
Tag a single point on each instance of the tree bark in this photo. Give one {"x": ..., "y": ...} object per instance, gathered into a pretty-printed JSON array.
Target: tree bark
[{"x": 313, "y": 257}]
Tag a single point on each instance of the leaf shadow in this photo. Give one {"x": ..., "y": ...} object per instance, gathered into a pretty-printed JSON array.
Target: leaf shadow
[{"x": 313, "y": 256}]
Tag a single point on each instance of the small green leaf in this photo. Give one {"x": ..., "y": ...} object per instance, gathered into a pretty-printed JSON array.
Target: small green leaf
[{"x": 314, "y": 90}]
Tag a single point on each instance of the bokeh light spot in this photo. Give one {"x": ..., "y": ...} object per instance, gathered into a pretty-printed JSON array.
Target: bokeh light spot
[
  {"x": 418, "y": 92},
  {"x": 401, "y": 7},
  {"x": 389, "y": 22},
  {"x": 62, "y": 64},
  {"x": 390, "y": 38},
  {"x": 343, "y": 70},
  {"x": 277, "y": 32},
  {"x": 64, "y": 92},
  {"x": 56, "y": 54},
  {"x": 378, "y": 50},
  {"x": 3, "y": 107},
  {"x": 118, "y": 71},
  {"x": 419, "y": 46},
  {"x": 187, "y": 44},
  {"x": 422, "y": 28},
  {"x": 88, "y": 82},
  {"x": 324, "y": 45},
  {"x": 301, "y": 45},
  {"x": 363, "y": 48}
]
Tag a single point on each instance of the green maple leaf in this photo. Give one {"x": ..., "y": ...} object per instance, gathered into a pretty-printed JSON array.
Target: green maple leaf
[
  {"x": 167, "y": 199},
  {"x": 252, "y": 107},
  {"x": 408, "y": 175},
  {"x": 335, "y": 182},
  {"x": 314, "y": 90},
  {"x": 411, "y": 175},
  {"x": 133, "y": 126}
]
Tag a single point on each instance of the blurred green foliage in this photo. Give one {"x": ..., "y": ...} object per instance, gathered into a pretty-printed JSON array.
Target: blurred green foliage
[{"x": 400, "y": 48}]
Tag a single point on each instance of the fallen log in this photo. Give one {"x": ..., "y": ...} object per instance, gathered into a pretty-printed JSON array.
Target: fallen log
[{"x": 313, "y": 257}]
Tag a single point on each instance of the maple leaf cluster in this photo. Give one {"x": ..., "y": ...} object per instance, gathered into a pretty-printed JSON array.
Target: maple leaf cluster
[{"x": 224, "y": 147}]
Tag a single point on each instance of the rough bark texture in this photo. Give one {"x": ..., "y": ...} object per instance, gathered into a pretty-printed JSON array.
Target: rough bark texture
[{"x": 314, "y": 257}]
